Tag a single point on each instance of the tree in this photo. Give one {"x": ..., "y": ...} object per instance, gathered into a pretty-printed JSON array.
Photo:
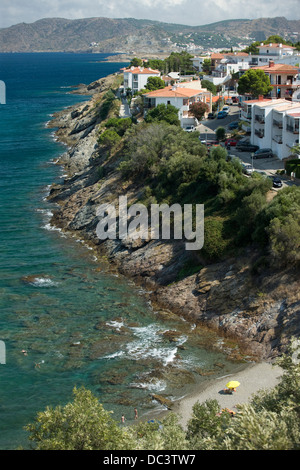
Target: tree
[
  {"x": 209, "y": 86},
  {"x": 284, "y": 238},
  {"x": 155, "y": 83},
  {"x": 109, "y": 138},
  {"x": 220, "y": 133},
  {"x": 255, "y": 82},
  {"x": 198, "y": 110},
  {"x": 80, "y": 425},
  {"x": 136, "y": 62},
  {"x": 163, "y": 112},
  {"x": 206, "y": 66},
  {"x": 253, "y": 48}
]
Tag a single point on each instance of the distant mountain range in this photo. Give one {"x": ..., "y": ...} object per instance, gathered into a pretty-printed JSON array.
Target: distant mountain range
[{"x": 129, "y": 35}]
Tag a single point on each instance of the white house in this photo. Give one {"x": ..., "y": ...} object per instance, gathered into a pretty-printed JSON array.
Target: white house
[
  {"x": 181, "y": 96},
  {"x": 136, "y": 78},
  {"x": 278, "y": 53},
  {"x": 275, "y": 125}
]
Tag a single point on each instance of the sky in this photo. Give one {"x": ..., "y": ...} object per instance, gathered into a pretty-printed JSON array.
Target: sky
[{"x": 189, "y": 12}]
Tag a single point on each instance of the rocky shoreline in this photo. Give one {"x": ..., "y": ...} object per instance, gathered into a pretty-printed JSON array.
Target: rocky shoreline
[{"x": 257, "y": 312}]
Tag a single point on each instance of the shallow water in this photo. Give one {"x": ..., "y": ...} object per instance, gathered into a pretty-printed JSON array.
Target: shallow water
[{"x": 65, "y": 319}]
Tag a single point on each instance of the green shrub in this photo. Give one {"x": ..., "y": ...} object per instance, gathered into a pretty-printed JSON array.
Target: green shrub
[
  {"x": 293, "y": 166},
  {"x": 215, "y": 244}
]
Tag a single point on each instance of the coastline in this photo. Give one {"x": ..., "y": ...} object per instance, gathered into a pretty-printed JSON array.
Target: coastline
[
  {"x": 224, "y": 297},
  {"x": 252, "y": 378}
]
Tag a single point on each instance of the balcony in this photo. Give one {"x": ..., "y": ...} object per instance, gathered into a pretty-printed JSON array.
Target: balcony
[
  {"x": 277, "y": 124},
  {"x": 292, "y": 129},
  {"x": 259, "y": 118},
  {"x": 260, "y": 133},
  {"x": 277, "y": 138},
  {"x": 245, "y": 115}
]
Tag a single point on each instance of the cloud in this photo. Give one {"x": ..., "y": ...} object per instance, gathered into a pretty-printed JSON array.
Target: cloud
[{"x": 190, "y": 12}]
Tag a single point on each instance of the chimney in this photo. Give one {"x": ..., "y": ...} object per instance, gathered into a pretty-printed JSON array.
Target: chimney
[{"x": 271, "y": 63}]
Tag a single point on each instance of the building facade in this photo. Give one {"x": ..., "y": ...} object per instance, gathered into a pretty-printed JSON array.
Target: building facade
[{"x": 136, "y": 78}]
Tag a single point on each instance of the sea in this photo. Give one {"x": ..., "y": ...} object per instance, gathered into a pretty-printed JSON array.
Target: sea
[{"x": 66, "y": 320}]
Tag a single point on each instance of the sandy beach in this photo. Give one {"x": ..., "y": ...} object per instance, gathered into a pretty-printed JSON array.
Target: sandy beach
[{"x": 252, "y": 379}]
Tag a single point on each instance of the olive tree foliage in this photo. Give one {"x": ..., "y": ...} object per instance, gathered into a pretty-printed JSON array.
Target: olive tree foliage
[{"x": 82, "y": 424}]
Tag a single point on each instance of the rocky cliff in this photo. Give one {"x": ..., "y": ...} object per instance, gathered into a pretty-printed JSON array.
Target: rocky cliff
[{"x": 259, "y": 311}]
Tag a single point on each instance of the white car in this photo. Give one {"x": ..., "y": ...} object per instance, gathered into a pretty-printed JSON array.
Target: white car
[
  {"x": 225, "y": 109},
  {"x": 247, "y": 168},
  {"x": 189, "y": 128}
]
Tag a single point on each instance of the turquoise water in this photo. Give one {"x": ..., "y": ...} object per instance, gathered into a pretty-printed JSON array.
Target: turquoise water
[{"x": 78, "y": 323}]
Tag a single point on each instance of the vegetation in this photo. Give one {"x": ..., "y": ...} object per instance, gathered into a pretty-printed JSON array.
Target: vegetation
[
  {"x": 198, "y": 110},
  {"x": 176, "y": 62},
  {"x": 270, "y": 421},
  {"x": 174, "y": 167},
  {"x": 254, "y": 82},
  {"x": 162, "y": 112},
  {"x": 209, "y": 86}
]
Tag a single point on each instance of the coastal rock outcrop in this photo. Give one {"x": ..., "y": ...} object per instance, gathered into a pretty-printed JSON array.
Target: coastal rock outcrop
[{"x": 259, "y": 311}]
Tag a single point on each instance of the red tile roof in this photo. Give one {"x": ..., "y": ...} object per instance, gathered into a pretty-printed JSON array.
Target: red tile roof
[
  {"x": 217, "y": 55},
  {"x": 142, "y": 70},
  {"x": 277, "y": 68},
  {"x": 173, "y": 91}
]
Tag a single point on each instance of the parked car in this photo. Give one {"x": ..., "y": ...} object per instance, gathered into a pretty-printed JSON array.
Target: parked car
[
  {"x": 247, "y": 168},
  {"x": 231, "y": 142},
  {"x": 235, "y": 99},
  {"x": 277, "y": 183},
  {"x": 263, "y": 153},
  {"x": 189, "y": 128},
  {"x": 211, "y": 116},
  {"x": 233, "y": 125},
  {"x": 246, "y": 147},
  {"x": 225, "y": 109},
  {"x": 221, "y": 115}
]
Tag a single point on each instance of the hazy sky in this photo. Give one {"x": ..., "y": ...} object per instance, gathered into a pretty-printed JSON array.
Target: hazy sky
[{"x": 190, "y": 12}]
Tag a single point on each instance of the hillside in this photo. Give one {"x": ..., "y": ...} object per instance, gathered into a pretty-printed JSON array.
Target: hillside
[
  {"x": 141, "y": 36},
  {"x": 231, "y": 286}
]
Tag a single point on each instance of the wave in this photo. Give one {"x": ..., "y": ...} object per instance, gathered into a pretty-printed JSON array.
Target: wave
[
  {"x": 42, "y": 282},
  {"x": 156, "y": 385}
]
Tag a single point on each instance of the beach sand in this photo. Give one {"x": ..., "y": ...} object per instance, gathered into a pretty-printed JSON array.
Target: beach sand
[{"x": 252, "y": 379}]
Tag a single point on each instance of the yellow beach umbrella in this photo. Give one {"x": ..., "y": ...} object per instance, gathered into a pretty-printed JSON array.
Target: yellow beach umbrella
[{"x": 233, "y": 384}]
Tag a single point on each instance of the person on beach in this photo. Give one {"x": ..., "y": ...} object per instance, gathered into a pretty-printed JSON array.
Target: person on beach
[
  {"x": 135, "y": 413},
  {"x": 123, "y": 419}
]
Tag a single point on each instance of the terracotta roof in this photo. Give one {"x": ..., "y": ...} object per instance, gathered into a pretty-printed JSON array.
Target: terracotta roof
[
  {"x": 174, "y": 92},
  {"x": 256, "y": 101},
  {"x": 142, "y": 70},
  {"x": 217, "y": 55},
  {"x": 237, "y": 54},
  {"x": 275, "y": 45},
  {"x": 294, "y": 114},
  {"x": 277, "y": 68}
]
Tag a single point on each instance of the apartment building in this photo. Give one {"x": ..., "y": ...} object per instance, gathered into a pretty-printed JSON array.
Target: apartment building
[
  {"x": 275, "y": 125},
  {"x": 278, "y": 53},
  {"x": 283, "y": 78},
  {"x": 136, "y": 78}
]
